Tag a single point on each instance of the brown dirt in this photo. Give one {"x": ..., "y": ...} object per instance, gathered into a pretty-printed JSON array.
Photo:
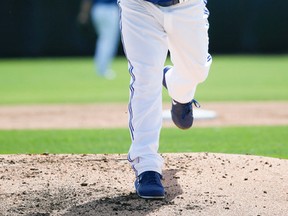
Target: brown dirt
[
  {"x": 198, "y": 184},
  {"x": 115, "y": 115}
]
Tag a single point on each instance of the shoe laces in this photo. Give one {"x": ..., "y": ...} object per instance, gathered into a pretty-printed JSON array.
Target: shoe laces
[
  {"x": 196, "y": 103},
  {"x": 188, "y": 107},
  {"x": 150, "y": 178}
]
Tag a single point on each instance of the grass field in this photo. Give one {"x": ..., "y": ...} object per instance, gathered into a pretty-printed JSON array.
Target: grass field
[
  {"x": 268, "y": 141},
  {"x": 232, "y": 78}
]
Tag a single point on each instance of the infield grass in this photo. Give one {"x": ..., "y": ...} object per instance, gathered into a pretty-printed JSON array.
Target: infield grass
[
  {"x": 73, "y": 80},
  {"x": 264, "y": 141}
]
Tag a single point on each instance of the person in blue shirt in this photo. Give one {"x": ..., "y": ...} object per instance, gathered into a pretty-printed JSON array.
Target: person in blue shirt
[{"x": 105, "y": 18}]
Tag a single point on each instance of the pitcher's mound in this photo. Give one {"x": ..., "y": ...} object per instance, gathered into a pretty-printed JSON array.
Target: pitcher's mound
[{"x": 195, "y": 183}]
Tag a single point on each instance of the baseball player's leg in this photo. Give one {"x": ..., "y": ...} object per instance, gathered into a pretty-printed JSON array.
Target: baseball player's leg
[
  {"x": 106, "y": 22},
  {"x": 188, "y": 46},
  {"x": 145, "y": 45}
]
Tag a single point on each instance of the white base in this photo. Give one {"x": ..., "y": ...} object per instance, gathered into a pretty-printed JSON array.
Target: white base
[{"x": 197, "y": 113}]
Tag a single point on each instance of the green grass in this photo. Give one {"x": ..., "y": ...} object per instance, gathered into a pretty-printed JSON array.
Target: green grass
[
  {"x": 243, "y": 78},
  {"x": 264, "y": 141},
  {"x": 72, "y": 80},
  {"x": 46, "y": 81}
]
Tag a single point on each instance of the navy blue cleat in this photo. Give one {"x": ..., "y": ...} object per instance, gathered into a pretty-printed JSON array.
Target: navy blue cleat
[
  {"x": 148, "y": 185},
  {"x": 182, "y": 114}
]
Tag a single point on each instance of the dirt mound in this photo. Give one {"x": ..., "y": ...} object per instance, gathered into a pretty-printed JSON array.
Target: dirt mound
[{"x": 195, "y": 183}]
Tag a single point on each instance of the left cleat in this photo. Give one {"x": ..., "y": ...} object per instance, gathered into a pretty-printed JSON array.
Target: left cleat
[{"x": 182, "y": 114}]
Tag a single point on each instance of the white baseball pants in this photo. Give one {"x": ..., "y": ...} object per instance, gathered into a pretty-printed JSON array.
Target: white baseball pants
[{"x": 148, "y": 32}]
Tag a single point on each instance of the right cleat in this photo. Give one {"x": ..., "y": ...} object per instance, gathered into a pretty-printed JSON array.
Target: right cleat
[{"x": 148, "y": 185}]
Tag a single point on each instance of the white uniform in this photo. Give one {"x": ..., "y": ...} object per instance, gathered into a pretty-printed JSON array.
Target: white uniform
[{"x": 148, "y": 32}]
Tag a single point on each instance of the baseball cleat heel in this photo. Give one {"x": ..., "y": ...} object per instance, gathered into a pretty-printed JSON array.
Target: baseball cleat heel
[
  {"x": 182, "y": 114},
  {"x": 148, "y": 185}
]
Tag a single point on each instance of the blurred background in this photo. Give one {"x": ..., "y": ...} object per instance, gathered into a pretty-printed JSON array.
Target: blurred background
[
  {"x": 47, "y": 28},
  {"x": 46, "y": 58}
]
